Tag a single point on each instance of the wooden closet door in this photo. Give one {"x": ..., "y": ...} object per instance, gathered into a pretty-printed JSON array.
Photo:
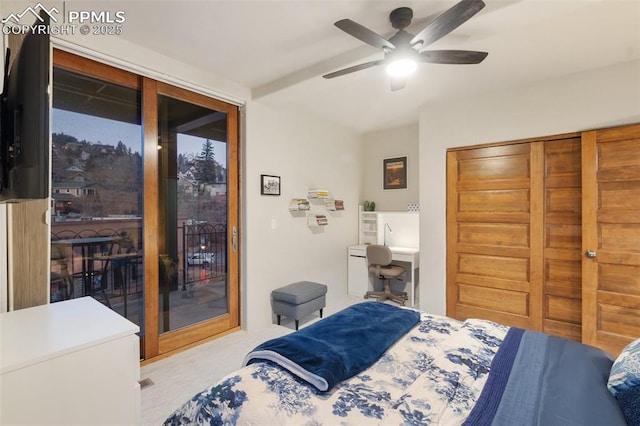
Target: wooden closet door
[
  {"x": 494, "y": 228},
  {"x": 562, "y": 239},
  {"x": 611, "y": 229}
]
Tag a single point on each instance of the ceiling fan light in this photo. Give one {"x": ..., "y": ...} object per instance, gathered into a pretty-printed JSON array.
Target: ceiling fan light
[{"x": 401, "y": 67}]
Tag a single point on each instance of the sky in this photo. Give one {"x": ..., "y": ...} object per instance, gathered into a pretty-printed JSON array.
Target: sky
[{"x": 109, "y": 132}]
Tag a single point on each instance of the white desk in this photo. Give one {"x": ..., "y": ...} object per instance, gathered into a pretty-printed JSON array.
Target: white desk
[{"x": 360, "y": 280}]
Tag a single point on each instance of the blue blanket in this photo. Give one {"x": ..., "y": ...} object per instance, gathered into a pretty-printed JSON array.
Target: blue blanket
[
  {"x": 537, "y": 379},
  {"x": 339, "y": 346}
]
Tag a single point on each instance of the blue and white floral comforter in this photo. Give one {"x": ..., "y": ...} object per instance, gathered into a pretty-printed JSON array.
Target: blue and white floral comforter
[
  {"x": 442, "y": 371},
  {"x": 432, "y": 375}
]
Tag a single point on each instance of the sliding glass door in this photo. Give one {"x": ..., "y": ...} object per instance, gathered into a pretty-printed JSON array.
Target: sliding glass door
[
  {"x": 198, "y": 227},
  {"x": 144, "y": 202}
]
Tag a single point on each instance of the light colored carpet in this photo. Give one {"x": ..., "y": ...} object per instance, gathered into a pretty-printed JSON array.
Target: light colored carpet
[{"x": 181, "y": 376}]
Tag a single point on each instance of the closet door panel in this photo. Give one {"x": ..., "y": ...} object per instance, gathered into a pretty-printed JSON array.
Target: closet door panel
[
  {"x": 611, "y": 206},
  {"x": 512, "y": 272},
  {"x": 509, "y": 164},
  {"x": 494, "y": 213},
  {"x": 562, "y": 308}
]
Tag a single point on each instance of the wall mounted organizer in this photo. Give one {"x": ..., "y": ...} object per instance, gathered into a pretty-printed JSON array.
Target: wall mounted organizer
[
  {"x": 334, "y": 205},
  {"x": 318, "y": 193},
  {"x": 317, "y": 219},
  {"x": 299, "y": 204},
  {"x": 315, "y": 201}
]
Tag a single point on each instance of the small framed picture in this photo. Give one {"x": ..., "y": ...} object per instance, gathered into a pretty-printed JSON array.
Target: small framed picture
[
  {"x": 394, "y": 173},
  {"x": 269, "y": 185}
]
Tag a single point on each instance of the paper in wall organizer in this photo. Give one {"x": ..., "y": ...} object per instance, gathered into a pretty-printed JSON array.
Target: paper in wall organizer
[
  {"x": 317, "y": 220},
  {"x": 318, "y": 193},
  {"x": 298, "y": 204}
]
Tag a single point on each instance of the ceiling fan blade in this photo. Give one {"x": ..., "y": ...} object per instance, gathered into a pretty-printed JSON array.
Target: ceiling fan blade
[
  {"x": 447, "y": 22},
  {"x": 364, "y": 34},
  {"x": 398, "y": 83},
  {"x": 452, "y": 56},
  {"x": 353, "y": 69}
]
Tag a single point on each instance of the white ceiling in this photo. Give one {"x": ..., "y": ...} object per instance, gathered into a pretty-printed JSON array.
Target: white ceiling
[{"x": 280, "y": 49}]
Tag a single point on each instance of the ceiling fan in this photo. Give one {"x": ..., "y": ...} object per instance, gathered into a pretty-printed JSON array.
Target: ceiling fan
[{"x": 403, "y": 50}]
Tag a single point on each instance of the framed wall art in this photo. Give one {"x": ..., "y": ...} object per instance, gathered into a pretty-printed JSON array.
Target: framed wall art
[
  {"x": 394, "y": 173},
  {"x": 269, "y": 185}
]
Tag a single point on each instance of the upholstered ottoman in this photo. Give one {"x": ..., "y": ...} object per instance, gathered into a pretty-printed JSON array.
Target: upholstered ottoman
[{"x": 298, "y": 300}]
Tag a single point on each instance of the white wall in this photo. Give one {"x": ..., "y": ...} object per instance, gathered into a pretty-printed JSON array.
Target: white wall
[
  {"x": 305, "y": 153},
  {"x": 595, "y": 99},
  {"x": 394, "y": 142},
  {"x": 402, "y": 229}
]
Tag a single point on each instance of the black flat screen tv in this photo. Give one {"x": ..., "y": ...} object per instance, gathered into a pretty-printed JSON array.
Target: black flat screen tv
[{"x": 24, "y": 120}]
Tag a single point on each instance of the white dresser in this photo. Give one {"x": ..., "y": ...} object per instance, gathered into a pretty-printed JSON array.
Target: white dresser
[{"x": 73, "y": 363}]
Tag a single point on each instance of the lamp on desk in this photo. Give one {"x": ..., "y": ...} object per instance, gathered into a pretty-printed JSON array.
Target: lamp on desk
[{"x": 386, "y": 226}]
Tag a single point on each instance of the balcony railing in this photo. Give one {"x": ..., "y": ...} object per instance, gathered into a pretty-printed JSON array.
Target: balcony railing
[{"x": 106, "y": 261}]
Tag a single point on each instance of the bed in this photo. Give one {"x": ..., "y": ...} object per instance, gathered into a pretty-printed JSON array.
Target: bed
[{"x": 375, "y": 363}]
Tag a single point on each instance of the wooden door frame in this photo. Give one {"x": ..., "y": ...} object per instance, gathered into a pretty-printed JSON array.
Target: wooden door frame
[{"x": 150, "y": 217}]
